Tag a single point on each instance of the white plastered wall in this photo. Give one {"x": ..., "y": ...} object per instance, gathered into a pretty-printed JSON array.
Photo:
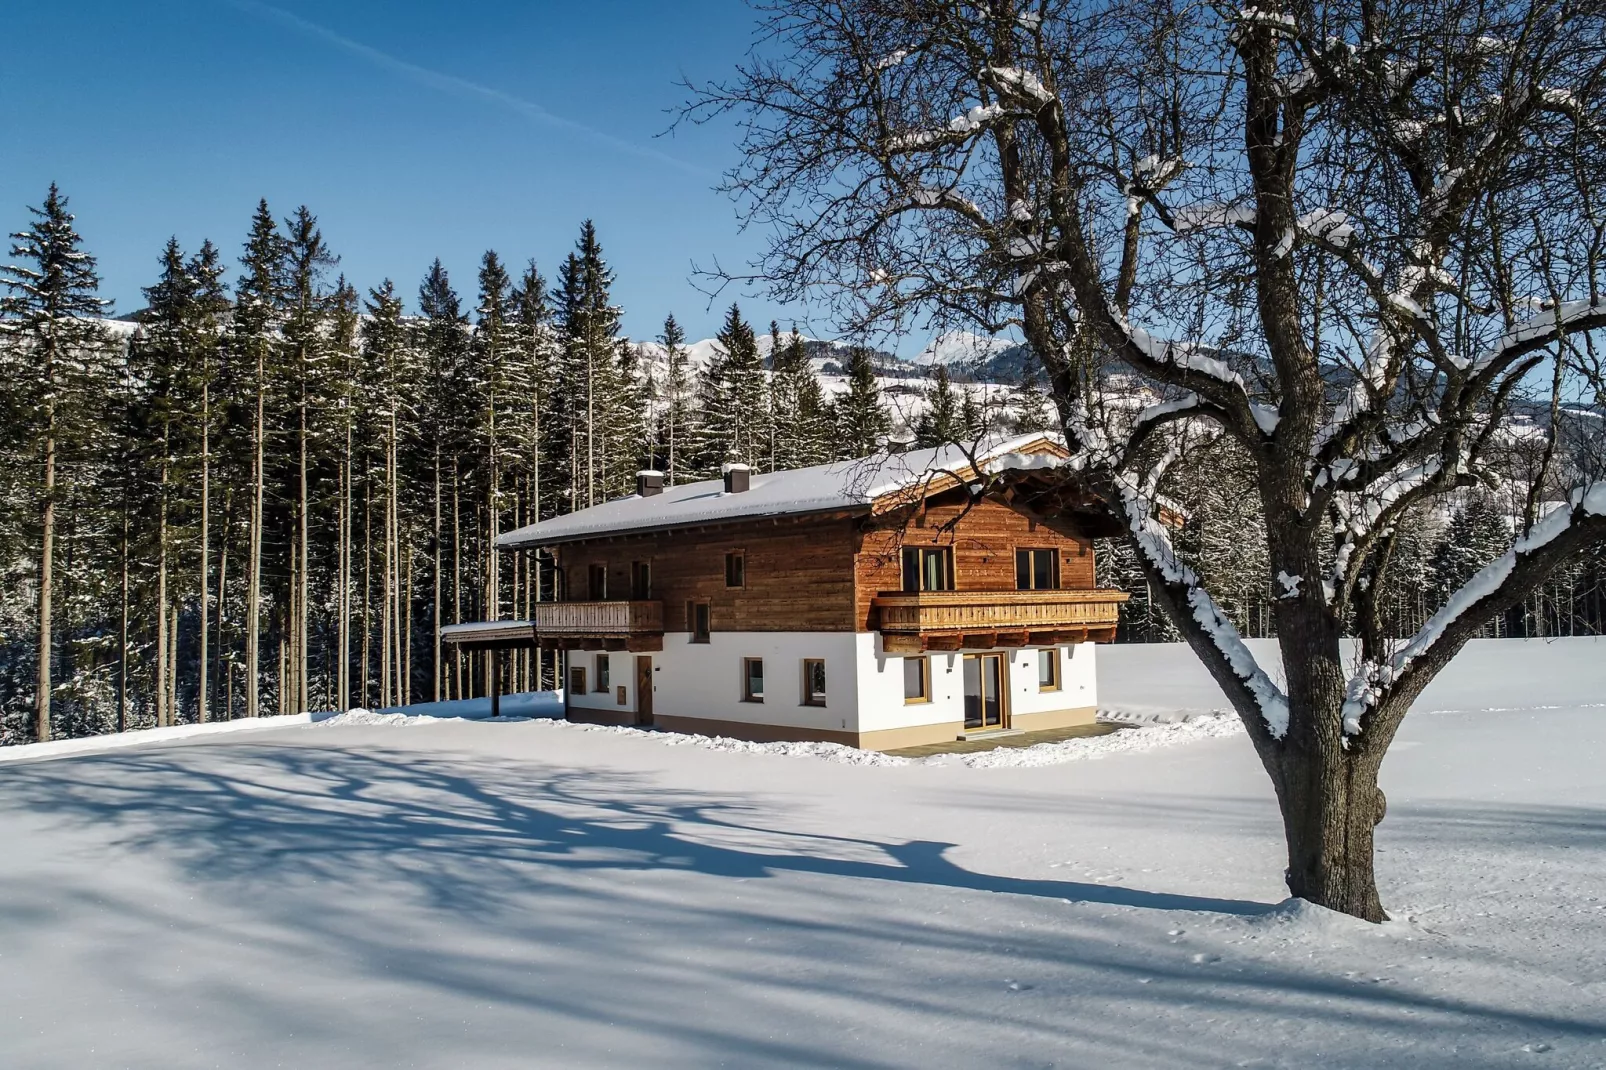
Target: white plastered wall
[
  {"x": 621, "y": 671},
  {"x": 705, "y": 679},
  {"x": 882, "y": 706}
]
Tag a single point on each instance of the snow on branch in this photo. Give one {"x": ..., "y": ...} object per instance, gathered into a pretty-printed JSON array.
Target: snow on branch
[
  {"x": 966, "y": 124},
  {"x": 1373, "y": 678},
  {"x": 1540, "y": 328},
  {"x": 1021, "y": 83},
  {"x": 1155, "y": 545}
]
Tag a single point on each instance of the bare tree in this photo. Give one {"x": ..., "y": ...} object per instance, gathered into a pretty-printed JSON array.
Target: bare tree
[{"x": 1341, "y": 238}]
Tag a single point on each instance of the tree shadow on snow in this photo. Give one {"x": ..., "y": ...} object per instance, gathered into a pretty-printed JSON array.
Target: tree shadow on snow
[{"x": 535, "y": 880}]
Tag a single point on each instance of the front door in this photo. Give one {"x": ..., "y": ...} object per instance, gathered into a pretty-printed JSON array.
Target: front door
[
  {"x": 643, "y": 691},
  {"x": 984, "y": 691}
]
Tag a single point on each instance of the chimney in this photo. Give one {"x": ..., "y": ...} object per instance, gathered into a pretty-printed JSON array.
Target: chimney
[
  {"x": 649, "y": 482},
  {"x": 738, "y": 477}
]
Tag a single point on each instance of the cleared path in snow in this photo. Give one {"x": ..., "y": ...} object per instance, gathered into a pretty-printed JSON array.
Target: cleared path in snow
[{"x": 526, "y": 894}]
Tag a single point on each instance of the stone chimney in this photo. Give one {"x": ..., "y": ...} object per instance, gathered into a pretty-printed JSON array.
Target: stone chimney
[
  {"x": 738, "y": 477},
  {"x": 649, "y": 482}
]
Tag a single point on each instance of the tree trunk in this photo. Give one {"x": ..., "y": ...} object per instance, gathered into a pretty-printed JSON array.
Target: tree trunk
[
  {"x": 253, "y": 592},
  {"x": 47, "y": 554},
  {"x": 206, "y": 512},
  {"x": 1330, "y": 805},
  {"x": 163, "y": 714}
]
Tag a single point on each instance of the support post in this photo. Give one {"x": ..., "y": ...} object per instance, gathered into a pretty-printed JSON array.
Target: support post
[{"x": 496, "y": 683}]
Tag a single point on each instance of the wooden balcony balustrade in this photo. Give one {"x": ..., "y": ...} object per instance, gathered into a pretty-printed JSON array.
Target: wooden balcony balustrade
[
  {"x": 912, "y": 623},
  {"x": 620, "y": 625}
]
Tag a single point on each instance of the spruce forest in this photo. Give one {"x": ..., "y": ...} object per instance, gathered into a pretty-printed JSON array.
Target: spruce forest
[{"x": 268, "y": 488}]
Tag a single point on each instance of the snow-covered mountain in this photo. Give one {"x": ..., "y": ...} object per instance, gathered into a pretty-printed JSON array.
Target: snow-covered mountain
[{"x": 961, "y": 349}]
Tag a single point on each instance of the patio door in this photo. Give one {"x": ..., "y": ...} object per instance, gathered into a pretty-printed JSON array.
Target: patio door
[
  {"x": 984, "y": 692},
  {"x": 643, "y": 691}
]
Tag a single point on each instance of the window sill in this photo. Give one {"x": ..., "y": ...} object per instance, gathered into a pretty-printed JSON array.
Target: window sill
[
  {"x": 754, "y": 701},
  {"x": 813, "y": 705},
  {"x": 917, "y": 701}
]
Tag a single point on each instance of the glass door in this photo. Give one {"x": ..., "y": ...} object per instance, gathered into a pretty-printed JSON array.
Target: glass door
[{"x": 984, "y": 691}]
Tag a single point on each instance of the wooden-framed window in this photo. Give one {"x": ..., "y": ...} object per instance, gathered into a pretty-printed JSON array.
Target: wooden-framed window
[
  {"x": 697, "y": 614},
  {"x": 602, "y": 672},
  {"x": 597, "y": 583},
  {"x": 640, "y": 580},
  {"x": 1048, "y": 669},
  {"x": 814, "y": 681},
  {"x": 736, "y": 569},
  {"x": 752, "y": 679},
  {"x": 928, "y": 568},
  {"x": 577, "y": 680},
  {"x": 1037, "y": 570},
  {"x": 916, "y": 679}
]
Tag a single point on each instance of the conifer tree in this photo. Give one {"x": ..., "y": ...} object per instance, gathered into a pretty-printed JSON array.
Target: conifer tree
[
  {"x": 307, "y": 259},
  {"x": 940, "y": 423},
  {"x": 444, "y": 343},
  {"x": 862, "y": 421},
  {"x": 732, "y": 399},
  {"x": 1031, "y": 408},
  {"x": 51, "y": 315},
  {"x": 588, "y": 379},
  {"x": 676, "y": 418},
  {"x": 258, "y": 314},
  {"x": 493, "y": 354}
]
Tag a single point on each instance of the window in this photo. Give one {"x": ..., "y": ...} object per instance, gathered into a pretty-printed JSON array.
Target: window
[
  {"x": 697, "y": 620},
  {"x": 928, "y": 568},
  {"x": 1048, "y": 669},
  {"x": 602, "y": 672},
  {"x": 917, "y": 679},
  {"x": 577, "y": 680},
  {"x": 736, "y": 569},
  {"x": 641, "y": 580},
  {"x": 1037, "y": 570},
  {"x": 814, "y": 681},
  {"x": 597, "y": 583},
  {"x": 752, "y": 679}
]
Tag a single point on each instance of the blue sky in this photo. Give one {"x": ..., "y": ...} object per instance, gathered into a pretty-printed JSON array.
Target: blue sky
[{"x": 412, "y": 128}]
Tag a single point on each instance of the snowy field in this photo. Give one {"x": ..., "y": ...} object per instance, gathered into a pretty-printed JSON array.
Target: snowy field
[{"x": 441, "y": 892}]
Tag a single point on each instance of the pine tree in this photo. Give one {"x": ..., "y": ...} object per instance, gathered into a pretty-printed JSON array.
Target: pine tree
[
  {"x": 940, "y": 423},
  {"x": 732, "y": 400},
  {"x": 1031, "y": 408},
  {"x": 862, "y": 421},
  {"x": 50, "y": 314},
  {"x": 493, "y": 356},
  {"x": 588, "y": 380},
  {"x": 258, "y": 314},
  {"x": 444, "y": 343},
  {"x": 307, "y": 259},
  {"x": 677, "y": 409}
]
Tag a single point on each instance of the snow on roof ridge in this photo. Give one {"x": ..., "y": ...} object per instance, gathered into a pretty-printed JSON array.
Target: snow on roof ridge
[{"x": 837, "y": 485}]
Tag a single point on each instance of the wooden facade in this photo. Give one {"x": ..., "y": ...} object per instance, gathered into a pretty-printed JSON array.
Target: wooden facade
[{"x": 833, "y": 573}]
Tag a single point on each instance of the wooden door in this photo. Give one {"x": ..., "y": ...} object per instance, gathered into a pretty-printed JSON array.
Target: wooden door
[
  {"x": 985, "y": 691},
  {"x": 643, "y": 690}
]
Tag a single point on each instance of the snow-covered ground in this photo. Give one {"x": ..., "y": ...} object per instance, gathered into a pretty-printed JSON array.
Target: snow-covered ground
[{"x": 464, "y": 893}]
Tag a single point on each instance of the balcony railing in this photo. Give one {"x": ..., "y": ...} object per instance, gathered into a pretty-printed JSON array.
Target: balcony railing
[
  {"x": 633, "y": 625},
  {"x": 951, "y": 620}
]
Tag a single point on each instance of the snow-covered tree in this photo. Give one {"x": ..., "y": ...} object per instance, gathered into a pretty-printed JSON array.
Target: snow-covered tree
[
  {"x": 55, "y": 371},
  {"x": 1344, "y": 236},
  {"x": 862, "y": 420}
]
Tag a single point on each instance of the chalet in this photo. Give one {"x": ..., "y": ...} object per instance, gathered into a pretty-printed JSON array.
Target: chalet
[{"x": 876, "y": 603}]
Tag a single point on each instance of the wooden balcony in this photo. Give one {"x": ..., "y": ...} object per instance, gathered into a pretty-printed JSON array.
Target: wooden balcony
[
  {"x": 982, "y": 620},
  {"x": 635, "y": 625}
]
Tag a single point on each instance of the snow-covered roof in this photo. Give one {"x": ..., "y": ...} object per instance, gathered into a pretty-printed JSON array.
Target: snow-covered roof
[
  {"x": 483, "y": 631},
  {"x": 841, "y": 486}
]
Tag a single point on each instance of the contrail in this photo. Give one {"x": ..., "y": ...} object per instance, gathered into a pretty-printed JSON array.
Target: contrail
[{"x": 450, "y": 83}]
